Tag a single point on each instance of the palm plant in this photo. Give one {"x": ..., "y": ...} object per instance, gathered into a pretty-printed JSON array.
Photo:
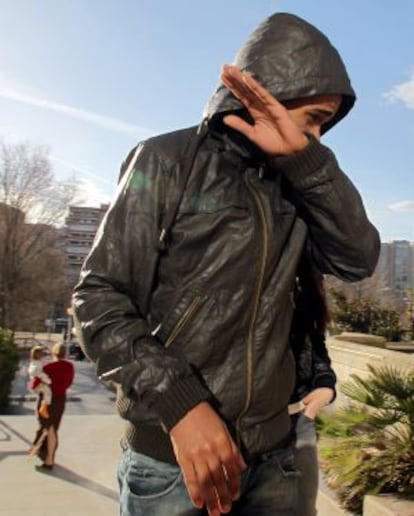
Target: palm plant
[{"x": 369, "y": 446}]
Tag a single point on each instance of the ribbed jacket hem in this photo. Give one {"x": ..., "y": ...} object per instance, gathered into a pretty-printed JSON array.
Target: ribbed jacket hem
[{"x": 181, "y": 397}]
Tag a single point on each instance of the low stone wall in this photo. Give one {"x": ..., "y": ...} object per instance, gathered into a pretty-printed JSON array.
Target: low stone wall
[{"x": 350, "y": 357}]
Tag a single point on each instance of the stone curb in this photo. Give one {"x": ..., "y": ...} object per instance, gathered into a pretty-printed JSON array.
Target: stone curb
[{"x": 29, "y": 397}]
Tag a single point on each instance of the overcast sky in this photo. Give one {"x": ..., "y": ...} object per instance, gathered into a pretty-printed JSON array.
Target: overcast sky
[{"x": 90, "y": 78}]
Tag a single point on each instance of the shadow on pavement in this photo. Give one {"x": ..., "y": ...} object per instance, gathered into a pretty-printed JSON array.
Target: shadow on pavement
[
  {"x": 6, "y": 430},
  {"x": 18, "y": 409},
  {"x": 8, "y": 434},
  {"x": 70, "y": 476},
  {"x": 16, "y": 453}
]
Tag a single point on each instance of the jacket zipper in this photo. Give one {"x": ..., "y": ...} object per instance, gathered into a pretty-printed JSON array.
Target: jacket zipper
[
  {"x": 250, "y": 339},
  {"x": 189, "y": 311}
]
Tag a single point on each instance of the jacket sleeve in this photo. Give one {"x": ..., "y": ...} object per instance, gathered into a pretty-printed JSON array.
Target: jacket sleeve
[
  {"x": 341, "y": 240},
  {"x": 112, "y": 297}
]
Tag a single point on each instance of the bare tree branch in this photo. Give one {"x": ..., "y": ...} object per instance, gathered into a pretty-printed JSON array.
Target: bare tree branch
[{"x": 32, "y": 206}]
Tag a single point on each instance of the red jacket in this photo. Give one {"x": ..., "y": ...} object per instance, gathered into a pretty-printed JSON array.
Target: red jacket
[{"x": 61, "y": 373}]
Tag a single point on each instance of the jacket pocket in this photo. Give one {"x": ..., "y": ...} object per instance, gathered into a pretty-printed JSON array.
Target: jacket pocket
[
  {"x": 184, "y": 320},
  {"x": 179, "y": 318},
  {"x": 149, "y": 479}
]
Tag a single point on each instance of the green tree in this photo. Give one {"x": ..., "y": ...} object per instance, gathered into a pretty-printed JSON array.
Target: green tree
[
  {"x": 32, "y": 203},
  {"x": 9, "y": 363},
  {"x": 364, "y": 315}
]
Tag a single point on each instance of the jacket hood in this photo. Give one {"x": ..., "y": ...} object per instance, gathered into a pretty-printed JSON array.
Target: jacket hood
[{"x": 292, "y": 59}]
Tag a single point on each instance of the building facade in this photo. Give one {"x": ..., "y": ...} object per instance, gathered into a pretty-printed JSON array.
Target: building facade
[
  {"x": 81, "y": 225},
  {"x": 396, "y": 267}
]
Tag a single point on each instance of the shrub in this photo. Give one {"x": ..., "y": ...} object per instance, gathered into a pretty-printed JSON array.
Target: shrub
[
  {"x": 368, "y": 447},
  {"x": 365, "y": 315},
  {"x": 9, "y": 363}
]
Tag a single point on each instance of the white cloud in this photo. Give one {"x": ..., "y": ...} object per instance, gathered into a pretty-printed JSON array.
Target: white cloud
[
  {"x": 73, "y": 167},
  {"x": 90, "y": 194},
  {"x": 403, "y": 92},
  {"x": 402, "y": 206},
  {"x": 90, "y": 190},
  {"x": 80, "y": 114}
]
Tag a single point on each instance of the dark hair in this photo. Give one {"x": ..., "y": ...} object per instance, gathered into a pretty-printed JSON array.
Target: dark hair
[{"x": 312, "y": 295}]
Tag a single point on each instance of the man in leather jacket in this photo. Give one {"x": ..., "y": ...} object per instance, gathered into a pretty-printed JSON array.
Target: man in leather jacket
[{"x": 185, "y": 301}]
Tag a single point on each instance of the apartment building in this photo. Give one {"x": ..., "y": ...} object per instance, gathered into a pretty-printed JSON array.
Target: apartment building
[
  {"x": 396, "y": 267},
  {"x": 81, "y": 225}
]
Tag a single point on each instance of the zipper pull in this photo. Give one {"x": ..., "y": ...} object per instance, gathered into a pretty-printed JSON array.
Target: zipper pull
[
  {"x": 261, "y": 172},
  {"x": 105, "y": 375},
  {"x": 156, "y": 330}
]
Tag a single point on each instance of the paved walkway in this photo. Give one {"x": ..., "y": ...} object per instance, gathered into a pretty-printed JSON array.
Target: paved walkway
[{"x": 83, "y": 481}]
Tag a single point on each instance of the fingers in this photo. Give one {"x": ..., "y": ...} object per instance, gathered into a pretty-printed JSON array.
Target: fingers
[
  {"x": 237, "y": 123},
  {"x": 311, "y": 412},
  {"x": 231, "y": 470},
  {"x": 233, "y": 79},
  {"x": 209, "y": 459},
  {"x": 314, "y": 404},
  {"x": 219, "y": 495},
  {"x": 259, "y": 92},
  {"x": 273, "y": 129},
  {"x": 191, "y": 482},
  {"x": 207, "y": 485},
  {"x": 232, "y": 465},
  {"x": 208, "y": 488},
  {"x": 321, "y": 395},
  {"x": 249, "y": 91},
  {"x": 213, "y": 479}
]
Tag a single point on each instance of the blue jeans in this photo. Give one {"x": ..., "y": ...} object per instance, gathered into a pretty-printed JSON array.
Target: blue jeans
[
  {"x": 149, "y": 487},
  {"x": 306, "y": 458}
]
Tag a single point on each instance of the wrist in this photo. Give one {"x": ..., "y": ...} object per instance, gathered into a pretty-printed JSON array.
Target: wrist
[
  {"x": 193, "y": 413},
  {"x": 174, "y": 404}
]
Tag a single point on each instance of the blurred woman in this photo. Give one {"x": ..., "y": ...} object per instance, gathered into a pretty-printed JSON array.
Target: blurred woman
[
  {"x": 61, "y": 373},
  {"x": 315, "y": 379}
]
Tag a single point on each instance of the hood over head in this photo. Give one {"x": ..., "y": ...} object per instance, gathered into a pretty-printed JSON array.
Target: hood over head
[{"x": 291, "y": 59}]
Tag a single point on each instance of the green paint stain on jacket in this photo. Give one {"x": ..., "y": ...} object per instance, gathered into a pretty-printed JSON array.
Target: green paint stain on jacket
[{"x": 138, "y": 180}]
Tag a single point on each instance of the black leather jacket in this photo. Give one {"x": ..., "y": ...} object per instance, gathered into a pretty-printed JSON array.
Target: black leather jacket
[{"x": 209, "y": 317}]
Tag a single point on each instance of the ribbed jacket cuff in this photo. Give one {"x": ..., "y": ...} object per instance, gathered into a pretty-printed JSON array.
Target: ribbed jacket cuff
[
  {"x": 300, "y": 167},
  {"x": 181, "y": 397}
]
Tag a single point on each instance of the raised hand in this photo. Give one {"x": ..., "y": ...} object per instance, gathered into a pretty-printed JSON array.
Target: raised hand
[
  {"x": 209, "y": 459},
  {"x": 273, "y": 131}
]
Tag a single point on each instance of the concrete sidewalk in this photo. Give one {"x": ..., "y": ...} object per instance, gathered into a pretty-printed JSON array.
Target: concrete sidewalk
[{"x": 83, "y": 481}]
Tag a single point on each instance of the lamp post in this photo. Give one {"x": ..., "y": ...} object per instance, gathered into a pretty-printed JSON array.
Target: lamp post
[{"x": 69, "y": 313}]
